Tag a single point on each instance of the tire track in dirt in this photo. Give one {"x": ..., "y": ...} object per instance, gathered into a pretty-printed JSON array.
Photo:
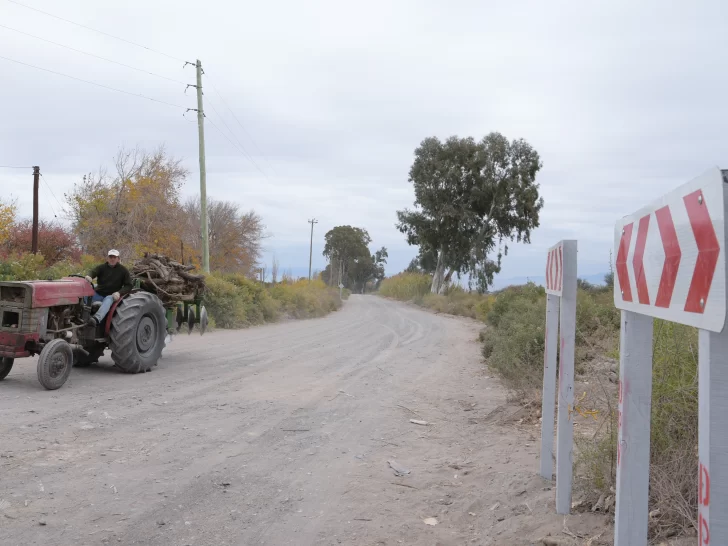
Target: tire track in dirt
[{"x": 274, "y": 435}]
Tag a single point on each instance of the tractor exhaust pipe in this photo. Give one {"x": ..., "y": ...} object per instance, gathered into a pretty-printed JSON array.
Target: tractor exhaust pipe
[{"x": 79, "y": 348}]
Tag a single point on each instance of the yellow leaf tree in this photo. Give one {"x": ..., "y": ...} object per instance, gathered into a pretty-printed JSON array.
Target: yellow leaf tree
[
  {"x": 136, "y": 210},
  {"x": 8, "y": 210}
]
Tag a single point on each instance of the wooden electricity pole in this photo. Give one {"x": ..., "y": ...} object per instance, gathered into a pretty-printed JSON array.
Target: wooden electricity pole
[{"x": 36, "y": 181}]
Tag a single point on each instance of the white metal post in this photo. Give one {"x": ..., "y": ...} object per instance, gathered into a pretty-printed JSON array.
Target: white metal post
[
  {"x": 671, "y": 265},
  {"x": 713, "y": 438},
  {"x": 548, "y": 400},
  {"x": 633, "y": 421},
  {"x": 567, "y": 333}
]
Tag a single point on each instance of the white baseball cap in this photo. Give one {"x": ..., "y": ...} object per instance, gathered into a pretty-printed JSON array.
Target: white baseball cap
[{"x": 113, "y": 252}]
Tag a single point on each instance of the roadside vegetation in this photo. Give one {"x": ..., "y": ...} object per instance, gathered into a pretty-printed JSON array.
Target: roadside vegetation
[
  {"x": 136, "y": 206},
  {"x": 232, "y": 300},
  {"x": 513, "y": 346}
]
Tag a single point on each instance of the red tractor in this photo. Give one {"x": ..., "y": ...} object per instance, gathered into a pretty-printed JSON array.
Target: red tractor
[{"x": 49, "y": 318}]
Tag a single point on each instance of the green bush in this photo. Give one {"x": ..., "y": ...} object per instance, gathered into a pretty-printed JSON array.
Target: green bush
[
  {"x": 259, "y": 306},
  {"x": 514, "y": 342},
  {"x": 504, "y": 301},
  {"x": 235, "y": 301},
  {"x": 225, "y": 303},
  {"x": 307, "y": 300},
  {"x": 415, "y": 287},
  {"x": 406, "y": 286}
]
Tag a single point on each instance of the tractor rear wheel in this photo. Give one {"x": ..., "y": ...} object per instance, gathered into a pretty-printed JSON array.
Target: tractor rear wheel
[
  {"x": 54, "y": 364},
  {"x": 138, "y": 329},
  {"x": 6, "y": 364}
]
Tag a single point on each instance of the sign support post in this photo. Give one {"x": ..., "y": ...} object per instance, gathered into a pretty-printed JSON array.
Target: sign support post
[
  {"x": 674, "y": 269},
  {"x": 633, "y": 424},
  {"x": 713, "y": 438},
  {"x": 548, "y": 400},
  {"x": 560, "y": 336},
  {"x": 567, "y": 335}
]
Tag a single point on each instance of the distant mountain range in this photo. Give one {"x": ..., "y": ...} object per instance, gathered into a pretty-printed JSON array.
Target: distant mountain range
[{"x": 498, "y": 283}]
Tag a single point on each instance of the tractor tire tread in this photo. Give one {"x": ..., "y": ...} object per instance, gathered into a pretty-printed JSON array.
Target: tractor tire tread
[
  {"x": 122, "y": 334},
  {"x": 6, "y": 364},
  {"x": 44, "y": 377}
]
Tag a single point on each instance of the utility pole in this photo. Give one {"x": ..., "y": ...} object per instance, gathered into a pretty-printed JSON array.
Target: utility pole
[
  {"x": 310, "y": 251},
  {"x": 36, "y": 181},
  {"x": 341, "y": 284},
  {"x": 203, "y": 175}
]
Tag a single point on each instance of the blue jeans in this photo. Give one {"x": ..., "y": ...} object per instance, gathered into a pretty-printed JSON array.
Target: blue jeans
[{"x": 106, "y": 303}]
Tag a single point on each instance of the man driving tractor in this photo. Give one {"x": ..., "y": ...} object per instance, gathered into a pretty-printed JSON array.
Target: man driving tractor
[{"x": 114, "y": 281}]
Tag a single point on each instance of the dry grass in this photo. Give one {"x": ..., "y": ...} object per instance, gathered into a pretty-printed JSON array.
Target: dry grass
[{"x": 673, "y": 434}]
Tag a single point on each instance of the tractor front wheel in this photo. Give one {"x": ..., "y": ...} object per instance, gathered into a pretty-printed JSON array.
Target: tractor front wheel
[
  {"x": 6, "y": 364},
  {"x": 54, "y": 364},
  {"x": 137, "y": 333}
]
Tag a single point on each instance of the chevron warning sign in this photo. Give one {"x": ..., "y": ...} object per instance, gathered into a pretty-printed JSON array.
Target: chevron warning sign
[
  {"x": 670, "y": 256},
  {"x": 555, "y": 270}
]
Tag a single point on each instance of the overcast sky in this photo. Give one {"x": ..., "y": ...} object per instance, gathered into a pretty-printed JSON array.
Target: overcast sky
[{"x": 623, "y": 101}]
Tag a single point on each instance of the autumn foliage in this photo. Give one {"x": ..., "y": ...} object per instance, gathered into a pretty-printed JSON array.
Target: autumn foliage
[
  {"x": 138, "y": 209},
  {"x": 55, "y": 242},
  {"x": 8, "y": 211}
]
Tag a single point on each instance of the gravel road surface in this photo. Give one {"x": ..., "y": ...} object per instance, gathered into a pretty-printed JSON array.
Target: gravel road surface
[{"x": 278, "y": 435}]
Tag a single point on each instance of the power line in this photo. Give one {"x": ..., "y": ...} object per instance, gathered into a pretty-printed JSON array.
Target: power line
[
  {"x": 96, "y": 30},
  {"x": 92, "y": 54},
  {"x": 49, "y": 201},
  {"x": 11, "y": 167},
  {"x": 240, "y": 124},
  {"x": 226, "y": 137},
  {"x": 93, "y": 83},
  {"x": 245, "y": 152},
  {"x": 233, "y": 144},
  {"x": 53, "y": 194}
]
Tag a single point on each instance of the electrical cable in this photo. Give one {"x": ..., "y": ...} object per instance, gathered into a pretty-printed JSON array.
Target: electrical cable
[
  {"x": 245, "y": 152},
  {"x": 232, "y": 143},
  {"x": 226, "y": 137},
  {"x": 214, "y": 88},
  {"x": 53, "y": 194},
  {"x": 92, "y": 55},
  {"x": 94, "y": 83},
  {"x": 96, "y": 30},
  {"x": 45, "y": 193}
]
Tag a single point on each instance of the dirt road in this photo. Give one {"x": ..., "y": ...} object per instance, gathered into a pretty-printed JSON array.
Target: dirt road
[{"x": 279, "y": 435}]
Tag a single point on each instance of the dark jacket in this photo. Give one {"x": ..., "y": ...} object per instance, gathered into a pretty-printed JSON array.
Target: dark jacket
[{"x": 111, "y": 279}]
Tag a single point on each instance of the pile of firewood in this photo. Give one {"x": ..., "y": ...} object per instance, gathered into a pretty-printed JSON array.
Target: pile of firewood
[{"x": 171, "y": 281}]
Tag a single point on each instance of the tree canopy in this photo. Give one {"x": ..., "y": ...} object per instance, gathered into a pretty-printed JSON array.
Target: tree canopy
[
  {"x": 55, "y": 242},
  {"x": 471, "y": 198},
  {"x": 135, "y": 210},
  {"x": 139, "y": 209},
  {"x": 8, "y": 211},
  {"x": 350, "y": 259}
]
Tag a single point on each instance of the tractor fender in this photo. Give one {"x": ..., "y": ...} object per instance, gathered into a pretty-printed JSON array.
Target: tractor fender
[{"x": 110, "y": 314}]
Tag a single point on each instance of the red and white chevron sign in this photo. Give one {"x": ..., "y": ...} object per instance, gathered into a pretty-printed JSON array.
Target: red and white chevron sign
[
  {"x": 555, "y": 270},
  {"x": 670, "y": 256}
]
